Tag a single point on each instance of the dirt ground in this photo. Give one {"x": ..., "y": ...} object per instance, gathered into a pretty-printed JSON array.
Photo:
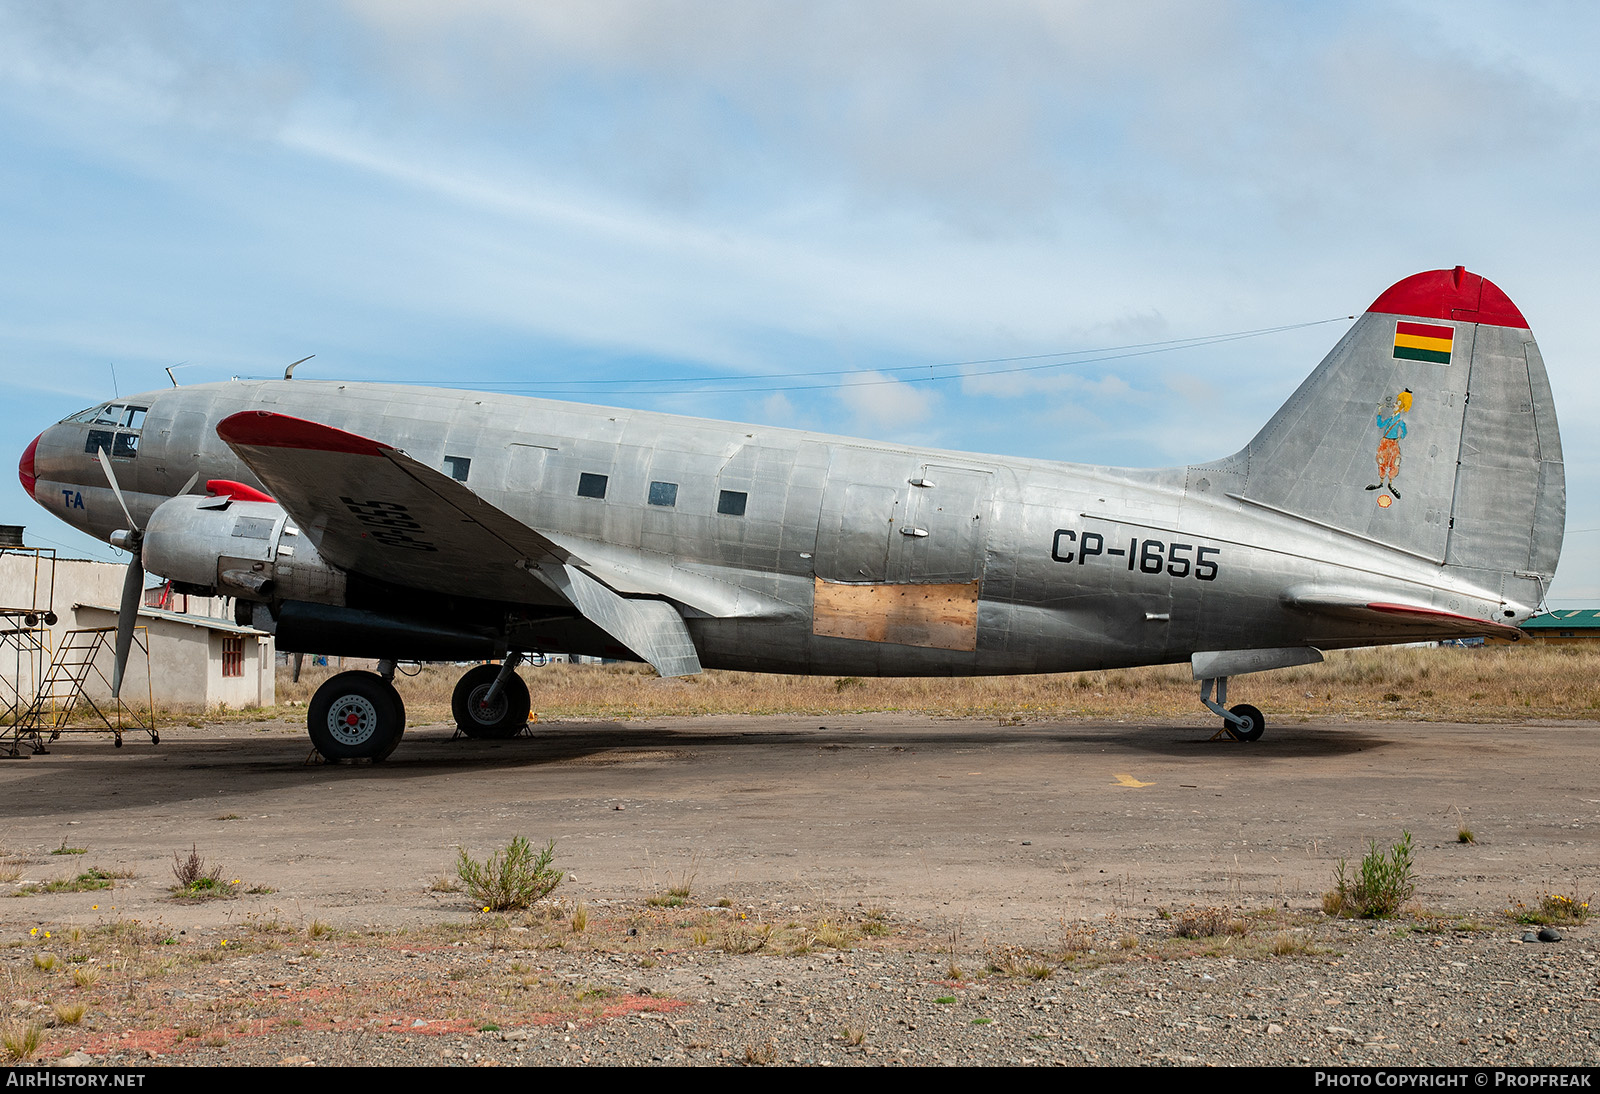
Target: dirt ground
[
  {"x": 988, "y": 836},
  {"x": 1006, "y": 827}
]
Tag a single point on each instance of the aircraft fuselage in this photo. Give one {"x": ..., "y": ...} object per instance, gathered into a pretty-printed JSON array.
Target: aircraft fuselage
[{"x": 801, "y": 552}]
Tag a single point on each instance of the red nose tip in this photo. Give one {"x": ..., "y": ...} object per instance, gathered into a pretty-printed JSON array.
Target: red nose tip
[{"x": 25, "y": 468}]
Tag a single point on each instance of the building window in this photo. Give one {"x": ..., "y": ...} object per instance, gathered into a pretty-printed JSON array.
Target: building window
[
  {"x": 457, "y": 467},
  {"x": 663, "y": 493},
  {"x": 730, "y": 503},
  {"x": 591, "y": 486},
  {"x": 233, "y": 655}
]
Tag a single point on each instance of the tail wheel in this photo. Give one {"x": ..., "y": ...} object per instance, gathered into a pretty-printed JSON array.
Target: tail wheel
[
  {"x": 356, "y": 716},
  {"x": 1256, "y": 723},
  {"x": 503, "y": 717}
]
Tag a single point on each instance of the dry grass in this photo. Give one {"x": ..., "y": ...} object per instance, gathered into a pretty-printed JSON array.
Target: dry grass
[
  {"x": 1208, "y": 922},
  {"x": 1487, "y": 684},
  {"x": 21, "y": 1040}
]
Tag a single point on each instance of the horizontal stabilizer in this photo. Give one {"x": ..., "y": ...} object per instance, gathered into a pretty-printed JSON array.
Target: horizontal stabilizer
[{"x": 1417, "y": 620}]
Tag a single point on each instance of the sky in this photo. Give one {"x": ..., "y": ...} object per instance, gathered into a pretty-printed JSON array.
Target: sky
[{"x": 791, "y": 212}]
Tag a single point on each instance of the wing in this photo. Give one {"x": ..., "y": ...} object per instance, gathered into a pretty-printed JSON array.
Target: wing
[{"x": 373, "y": 510}]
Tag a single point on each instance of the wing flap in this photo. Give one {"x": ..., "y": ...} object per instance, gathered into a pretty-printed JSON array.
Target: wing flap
[{"x": 653, "y": 629}]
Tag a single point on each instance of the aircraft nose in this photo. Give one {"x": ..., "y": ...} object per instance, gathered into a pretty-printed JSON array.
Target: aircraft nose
[{"x": 25, "y": 468}]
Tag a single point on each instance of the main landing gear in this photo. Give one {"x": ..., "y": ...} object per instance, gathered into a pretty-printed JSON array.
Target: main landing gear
[
  {"x": 357, "y": 715},
  {"x": 491, "y": 702},
  {"x": 1243, "y": 723},
  {"x": 360, "y": 715}
]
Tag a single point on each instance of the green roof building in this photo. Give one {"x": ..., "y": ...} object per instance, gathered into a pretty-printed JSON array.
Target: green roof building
[{"x": 1567, "y": 625}]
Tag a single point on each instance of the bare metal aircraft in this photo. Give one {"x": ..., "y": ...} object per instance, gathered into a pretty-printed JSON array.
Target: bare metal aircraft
[{"x": 1412, "y": 488}]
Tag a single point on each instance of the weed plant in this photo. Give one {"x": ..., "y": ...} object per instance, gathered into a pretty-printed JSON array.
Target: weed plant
[
  {"x": 1386, "y": 881},
  {"x": 1553, "y": 909},
  {"x": 197, "y": 879},
  {"x": 514, "y": 878}
]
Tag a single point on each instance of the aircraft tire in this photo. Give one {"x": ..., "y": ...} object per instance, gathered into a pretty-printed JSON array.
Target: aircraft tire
[
  {"x": 356, "y": 716},
  {"x": 504, "y": 718},
  {"x": 1251, "y": 732}
]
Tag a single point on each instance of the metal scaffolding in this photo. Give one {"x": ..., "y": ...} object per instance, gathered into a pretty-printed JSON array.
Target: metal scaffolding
[{"x": 41, "y": 691}]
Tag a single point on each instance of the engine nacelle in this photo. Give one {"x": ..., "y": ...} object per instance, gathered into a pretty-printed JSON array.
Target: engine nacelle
[{"x": 247, "y": 549}]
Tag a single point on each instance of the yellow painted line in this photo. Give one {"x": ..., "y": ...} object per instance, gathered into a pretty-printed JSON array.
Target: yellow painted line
[{"x": 1129, "y": 780}]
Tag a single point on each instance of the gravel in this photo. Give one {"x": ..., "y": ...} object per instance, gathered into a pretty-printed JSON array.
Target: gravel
[{"x": 1373, "y": 995}]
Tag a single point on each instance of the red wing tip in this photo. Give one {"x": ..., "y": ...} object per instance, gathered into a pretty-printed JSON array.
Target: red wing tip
[
  {"x": 268, "y": 429},
  {"x": 1456, "y": 295}
]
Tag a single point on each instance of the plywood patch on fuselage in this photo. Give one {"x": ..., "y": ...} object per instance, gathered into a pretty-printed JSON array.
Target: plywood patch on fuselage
[{"x": 941, "y": 617}]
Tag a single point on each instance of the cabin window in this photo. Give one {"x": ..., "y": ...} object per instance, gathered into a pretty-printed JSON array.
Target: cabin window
[
  {"x": 591, "y": 485},
  {"x": 664, "y": 493},
  {"x": 457, "y": 467},
  {"x": 233, "y": 655},
  {"x": 126, "y": 446},
  {"x": 98, "y": 439},
  {"x": 730, "y": 503}
]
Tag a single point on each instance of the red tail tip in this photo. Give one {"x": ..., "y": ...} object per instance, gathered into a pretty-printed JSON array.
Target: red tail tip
[{"x": 1456, "y": 295}]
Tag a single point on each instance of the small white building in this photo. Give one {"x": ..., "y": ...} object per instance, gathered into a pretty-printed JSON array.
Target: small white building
[{"x": 199, "y": 658}]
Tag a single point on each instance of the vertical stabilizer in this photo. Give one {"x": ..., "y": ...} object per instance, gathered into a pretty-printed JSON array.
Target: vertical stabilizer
[{"x": 1430, "y": 428}]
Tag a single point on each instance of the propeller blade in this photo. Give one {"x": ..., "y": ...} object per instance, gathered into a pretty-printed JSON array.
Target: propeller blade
[
  {"x": 188, "y": 486},
  {"x": 111, "y": 477},
  {"x": 127, "y": 616}
]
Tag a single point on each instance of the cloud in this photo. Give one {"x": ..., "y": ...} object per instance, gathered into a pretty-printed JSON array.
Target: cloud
[
  {"x": 1053, "y": 384},
  {"x": 496, "y": 188},
  {"x": 876, "y": 402}
]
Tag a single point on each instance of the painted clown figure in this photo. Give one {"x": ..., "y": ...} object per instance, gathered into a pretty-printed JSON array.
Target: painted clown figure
[{"x": 1391, "y": 428}]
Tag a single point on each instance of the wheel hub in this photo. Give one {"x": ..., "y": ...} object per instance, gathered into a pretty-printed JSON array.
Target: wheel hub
[
  {"x": 352, "y": 720},
  {"x": 487, "y": 713}
]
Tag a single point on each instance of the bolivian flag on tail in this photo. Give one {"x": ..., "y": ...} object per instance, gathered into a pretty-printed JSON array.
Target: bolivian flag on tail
[{"x": 1423, "y": 342}]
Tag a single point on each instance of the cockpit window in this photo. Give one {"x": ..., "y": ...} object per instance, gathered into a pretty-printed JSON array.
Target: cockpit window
[{"x": 121, "y": 416}]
